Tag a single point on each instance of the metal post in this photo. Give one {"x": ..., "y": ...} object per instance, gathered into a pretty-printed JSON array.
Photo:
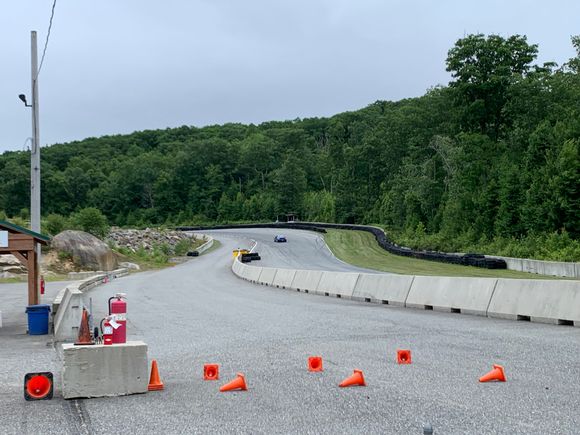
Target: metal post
[{"x": 35, "y": 149}]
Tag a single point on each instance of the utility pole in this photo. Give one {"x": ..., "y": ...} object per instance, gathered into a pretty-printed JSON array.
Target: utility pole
[
  {"x": 35, "y": 157},
  {"x": 35, "y": 148}
]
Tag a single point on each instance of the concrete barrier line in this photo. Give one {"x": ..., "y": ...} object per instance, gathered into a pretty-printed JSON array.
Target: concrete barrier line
[
  {"x": 67, "y": 306},
  {"x": 315, "y": 289},
  {"x": 293, "y": 279},
  {"x": 355, "y": 284},
  {"x": 491, "y": 298},
  {"x": 555, "y": 302},
  {"x": 409, "y": 290}
]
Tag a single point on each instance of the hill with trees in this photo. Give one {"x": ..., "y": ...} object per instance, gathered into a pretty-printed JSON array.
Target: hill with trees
[{"x": 489, "y": 162}]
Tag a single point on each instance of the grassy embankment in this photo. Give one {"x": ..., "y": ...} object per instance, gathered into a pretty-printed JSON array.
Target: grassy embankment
[
  {"x": 361, "y": 249},
  {"x": 158, "y": 257}
]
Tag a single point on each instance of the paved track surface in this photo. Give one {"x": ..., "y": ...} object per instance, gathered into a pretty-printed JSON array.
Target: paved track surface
[
  {"x": 199, "y": 312},
  {"x": 303, "y": 250}
]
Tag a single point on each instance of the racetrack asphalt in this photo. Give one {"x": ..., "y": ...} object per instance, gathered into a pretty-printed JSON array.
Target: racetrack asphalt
[{"x": 199, "y": 312}]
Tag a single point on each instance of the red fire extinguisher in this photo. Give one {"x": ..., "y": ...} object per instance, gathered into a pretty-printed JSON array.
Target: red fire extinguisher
[
  {"x": 107, "y": 331},
  {"x": 42, "y": 285},
  {"x": 118, "y": 313}
]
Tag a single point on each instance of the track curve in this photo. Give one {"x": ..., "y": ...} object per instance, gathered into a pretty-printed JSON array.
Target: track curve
[{"x": 199, "y": 312}]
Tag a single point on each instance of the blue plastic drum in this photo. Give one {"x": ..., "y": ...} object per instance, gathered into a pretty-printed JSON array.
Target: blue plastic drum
[{"x": 38, "y": 319}]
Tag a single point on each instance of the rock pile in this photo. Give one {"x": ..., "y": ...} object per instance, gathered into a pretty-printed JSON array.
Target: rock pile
[
  {"x": 146, "y": 239},
  {"x": 10, "y": 267}
]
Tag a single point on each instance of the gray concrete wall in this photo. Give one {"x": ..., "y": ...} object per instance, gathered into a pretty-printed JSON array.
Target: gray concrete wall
[
  {"x": 541, "y": 301},
  {"x": 338, "y": 283},
  {"x": 284, "y": 278},
  {"x": 535, "y": 300},
  {"x": 67, "y": 306},
  {"x": 390, "y": 289},
  {"x": 469, "y": 295},
  {"x": 68, "y": 317},
  {"x": 99, "y": 370},
  {"x": 306, "y": 280},
  {"x": 267, "y": 275},
  {"x": 553, "y": 268}
]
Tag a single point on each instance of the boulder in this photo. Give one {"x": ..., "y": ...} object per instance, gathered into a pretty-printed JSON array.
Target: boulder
[
  {"x": 10, "y": 267},
  {"x": 9, "y": 260},
  {"x": 87, "y": 251}
]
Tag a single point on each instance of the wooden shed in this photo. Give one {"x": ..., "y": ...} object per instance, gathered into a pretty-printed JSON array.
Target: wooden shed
[{"x": 23, "y": 243}]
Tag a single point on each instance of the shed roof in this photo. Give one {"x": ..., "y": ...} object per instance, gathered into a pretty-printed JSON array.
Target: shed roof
[{"x": 40, "y": 238}]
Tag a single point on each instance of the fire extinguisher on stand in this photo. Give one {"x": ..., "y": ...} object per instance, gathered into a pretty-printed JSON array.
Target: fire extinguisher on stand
[
  {"x": 107, "y": 330},
  {"x": 118, "y": 315}
]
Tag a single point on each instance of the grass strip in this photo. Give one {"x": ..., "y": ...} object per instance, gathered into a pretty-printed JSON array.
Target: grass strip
[{"x": 360, "y": 248}]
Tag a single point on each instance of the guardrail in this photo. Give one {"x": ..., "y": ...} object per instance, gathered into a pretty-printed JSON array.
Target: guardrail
[
  {"x": 208, "y": 244},
  {"x": 67, "y": 306},
  {"x": 544, "y": 301}
]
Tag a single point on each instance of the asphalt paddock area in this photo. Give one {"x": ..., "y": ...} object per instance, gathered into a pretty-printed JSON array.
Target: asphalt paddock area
[{"x": 199, "y": 312}]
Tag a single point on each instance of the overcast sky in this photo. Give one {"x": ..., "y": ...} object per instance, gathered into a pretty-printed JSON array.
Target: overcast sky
[{"x": 116, "y": 66}]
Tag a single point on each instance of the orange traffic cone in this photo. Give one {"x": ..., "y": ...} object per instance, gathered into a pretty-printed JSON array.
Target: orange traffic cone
[
  {"x": 497, "y": 374},
  {"x": 38, "y": 386},
  {"x": 155, "y": 383},
  {"x": 315, "y": 364},
  {"x": 237, "y": 384},
  {"x": 403, "y": 356},
  {"x": 357, "y": 378},
  {"x": 211, "y": 372},
  {"x": 84, "y": 333}
]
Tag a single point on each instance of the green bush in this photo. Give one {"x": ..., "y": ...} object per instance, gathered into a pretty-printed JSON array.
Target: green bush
[
  {"x": 92, "y": 221},
  {"x": 557, "y": 246},
  {"x": 65, "y": 256},
  {"x": 55, "y": 223},
  {"x": 183, "y": 246}
]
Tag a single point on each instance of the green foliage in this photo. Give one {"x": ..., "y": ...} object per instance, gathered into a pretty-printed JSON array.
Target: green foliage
[
  {"x": 54, "y": 224},
  {"x": 183, "y": 246},
  {"x": 91, "y": 220},
  {"x": 65, "y": 256},
  {"x": 490, "y": 160}
]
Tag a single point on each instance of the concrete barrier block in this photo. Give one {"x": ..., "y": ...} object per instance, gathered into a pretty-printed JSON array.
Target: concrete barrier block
[
  {"x": 338, "y": 283},
  {"x": 284, "y": 278},
  {"x": 99, "y": 370},
  {"x": 452, "y": 294},
  {"x": 267, "y": 275},
  {"x": 546, "y": 301},
  {"x": 68, "y": 317},
  {"x": 237, "y": 267},
  {"x": 554, "y": 268},
  {"x": 306, "y": 280},
  {"x": 251, "y": 273},
  {"x": 386, "y": 289}
]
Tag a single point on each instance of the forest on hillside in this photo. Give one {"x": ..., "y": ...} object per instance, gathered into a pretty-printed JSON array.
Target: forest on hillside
[{"x": 490, "y": 161}]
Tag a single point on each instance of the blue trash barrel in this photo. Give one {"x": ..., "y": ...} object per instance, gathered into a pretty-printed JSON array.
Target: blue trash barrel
[{"x": 38, "y": 319}]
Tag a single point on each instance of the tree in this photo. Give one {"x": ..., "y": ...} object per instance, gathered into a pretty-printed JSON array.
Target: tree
[
  {"x": 291, "y": 183},
  {"x": 483, "y": 69},
  {"x": 92, "y": 221}
]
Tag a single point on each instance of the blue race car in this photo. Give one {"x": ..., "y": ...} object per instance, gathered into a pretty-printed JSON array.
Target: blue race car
[{"x": 280, "y": 238}]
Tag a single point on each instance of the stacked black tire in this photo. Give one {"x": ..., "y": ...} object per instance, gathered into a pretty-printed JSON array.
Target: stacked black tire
[{"x": 252, "y": 256}]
